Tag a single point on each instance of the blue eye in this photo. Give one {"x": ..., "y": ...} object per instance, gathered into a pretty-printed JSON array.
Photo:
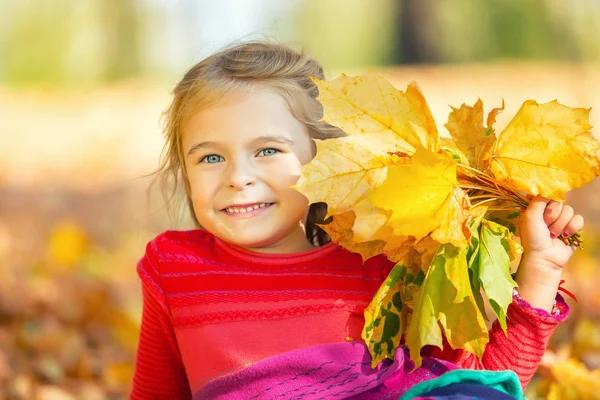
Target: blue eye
[
  {"x": 212, "y": 159},
  {"x": 268, "y": 152}
]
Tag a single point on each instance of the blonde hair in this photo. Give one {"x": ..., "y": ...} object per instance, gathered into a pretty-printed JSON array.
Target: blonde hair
[{"x": 240, "y": 68}]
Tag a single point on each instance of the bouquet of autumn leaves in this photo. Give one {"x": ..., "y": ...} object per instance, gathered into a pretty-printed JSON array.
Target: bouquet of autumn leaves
[{"x": 444, "y": 209}]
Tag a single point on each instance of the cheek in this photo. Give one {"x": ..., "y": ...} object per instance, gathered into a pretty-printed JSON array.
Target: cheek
[
  {"x": 294, "y": 168},
  {"x": 289, "y": 170},
  {"x": 284, "y": 182},
  {"x": 202, "y": 189},
  {"x": 283, "y": 175}
]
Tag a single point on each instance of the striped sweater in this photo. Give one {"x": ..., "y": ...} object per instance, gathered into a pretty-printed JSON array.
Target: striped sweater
[{"x": 211, "y": 308}]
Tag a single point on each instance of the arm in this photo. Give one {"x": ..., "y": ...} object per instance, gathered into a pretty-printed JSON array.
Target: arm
[
  {"x": 159, "y": 371},
  {"x": 529, "y": 323},
  {"x": 521, "y": 350}
]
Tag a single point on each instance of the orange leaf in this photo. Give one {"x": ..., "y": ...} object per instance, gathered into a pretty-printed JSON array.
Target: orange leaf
[
  {"x": 340, "y": 231},
  {"x": 465, "y": 125}
]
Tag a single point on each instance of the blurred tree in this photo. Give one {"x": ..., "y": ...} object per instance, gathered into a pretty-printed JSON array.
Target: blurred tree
[
  {"x": 416, "y": 33},
  {"x": 62, "y": 42},
  {"x": 122, "y": 27},
  {"x": 58, "y": 42},
  {"x": 522, "y": 30},
  {"x": 34, "y": 42},
  {"x": 346, "y": 34},
  {"x": 472, "y": 30}
]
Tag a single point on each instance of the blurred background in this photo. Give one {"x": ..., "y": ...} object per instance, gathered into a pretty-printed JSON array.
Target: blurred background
[{"x": 82, "y": 88}]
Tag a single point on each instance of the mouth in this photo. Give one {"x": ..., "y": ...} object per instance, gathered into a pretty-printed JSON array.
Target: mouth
[{"x": 246, "y": 209}]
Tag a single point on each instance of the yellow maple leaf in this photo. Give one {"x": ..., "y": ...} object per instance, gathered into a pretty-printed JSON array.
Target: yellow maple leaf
[
  {"x": 347, "y": 169},
  {"x": 420, "y": 255},
  {"x": 546, "y": 149},
  {"x": 397, "y": 247},
  {"x": 465, "y": 125},
  {"x": 369, "y": 104},
  {"x": 448, "y": 145},
  {"x": 454, "y": 226},
  {"x": 417, "y": 194},
  {"x": 491, "y": 119},
  {"x": 340, "y": 231},
  {"x": 371, "y": 228},
  {"x": 385, "y": 322},
  {"x": 371, "y": 224},
  {"x": 427, "y": 249}
]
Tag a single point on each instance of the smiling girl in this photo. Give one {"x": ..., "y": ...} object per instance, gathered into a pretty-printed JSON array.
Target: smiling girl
[
  {"x": 257, "y": 303},
  {"x": 242, "y": 157}
]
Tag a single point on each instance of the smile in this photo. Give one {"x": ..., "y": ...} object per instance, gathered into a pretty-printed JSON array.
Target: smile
[{"x": 246, "y": 209}]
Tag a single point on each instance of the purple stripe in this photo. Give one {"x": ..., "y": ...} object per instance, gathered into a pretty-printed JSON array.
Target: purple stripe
[
  {"x": 143, "y": 273},
  {"x": 201, "y": 273},
  {"x": 146, "y": 260},
  {"x": 269, "y": 292}
]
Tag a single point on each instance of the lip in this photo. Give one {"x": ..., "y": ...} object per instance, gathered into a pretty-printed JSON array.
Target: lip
[
  {"x": 247, "y": 214},
  {"x": 244, "y": 205}
]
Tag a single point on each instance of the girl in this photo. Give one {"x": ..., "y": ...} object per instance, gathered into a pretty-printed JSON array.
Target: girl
[{"x": 257, "y": 304}]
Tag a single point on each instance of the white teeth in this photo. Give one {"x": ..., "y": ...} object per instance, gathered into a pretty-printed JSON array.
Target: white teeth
[{"x": 238, "y": 210}]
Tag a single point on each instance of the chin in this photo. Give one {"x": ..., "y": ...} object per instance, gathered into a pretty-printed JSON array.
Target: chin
[
  {"x": 258, "y": 240},
  {"x": 254, "y": 243}
]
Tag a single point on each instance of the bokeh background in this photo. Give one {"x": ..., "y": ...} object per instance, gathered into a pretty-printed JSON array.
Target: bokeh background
[{"x": 82, "y": 88}]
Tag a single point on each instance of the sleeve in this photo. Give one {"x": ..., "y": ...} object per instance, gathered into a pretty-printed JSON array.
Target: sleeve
[
  {"x": 521, "y": 349},
  {"x": 159, "y": 371}
]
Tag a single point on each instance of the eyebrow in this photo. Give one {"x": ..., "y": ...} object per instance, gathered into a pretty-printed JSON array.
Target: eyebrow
[{"x": 258, "y": 140}]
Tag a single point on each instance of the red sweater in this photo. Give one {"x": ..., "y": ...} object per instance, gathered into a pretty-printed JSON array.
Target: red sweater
[{"x": 211, "y": 308}]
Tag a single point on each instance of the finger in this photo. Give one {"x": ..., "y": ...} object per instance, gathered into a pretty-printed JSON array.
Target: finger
[
  {"x": 552, "y": 212},
  {"x": 536, "y": 208},
  {"x": 574, "y": 225},
  {"x": 559, "y": 225}
]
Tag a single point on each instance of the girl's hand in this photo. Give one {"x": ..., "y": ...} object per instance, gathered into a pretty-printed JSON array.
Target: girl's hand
[
  {"x": 544, "y": 254},
  {"x": 542, "y": 224}
]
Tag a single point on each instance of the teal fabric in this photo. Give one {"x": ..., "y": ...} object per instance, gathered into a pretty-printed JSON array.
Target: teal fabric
[{"x": 504, "y": 381}]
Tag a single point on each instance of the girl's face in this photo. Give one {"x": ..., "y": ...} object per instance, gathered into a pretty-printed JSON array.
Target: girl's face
[{"x": 241, "y": 157}]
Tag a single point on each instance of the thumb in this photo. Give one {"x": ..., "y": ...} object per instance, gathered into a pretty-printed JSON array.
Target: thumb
[
  {"x": 534, "y": 231},
  {"x": 536, "y": 208}
]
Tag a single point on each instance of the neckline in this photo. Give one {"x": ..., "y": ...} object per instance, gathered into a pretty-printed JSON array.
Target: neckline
[{"x": 275, "y": 259}]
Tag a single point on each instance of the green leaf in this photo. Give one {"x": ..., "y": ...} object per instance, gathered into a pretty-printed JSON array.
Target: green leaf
[
  {"x": 514, "y": 214},
  {"x": 384, "y": 321},
  {"x": 472, "y": 261},
  {"x": 494, "y": 267},
  {"x": 446, "y": 299},
  {"x": 507, "y": 218}
]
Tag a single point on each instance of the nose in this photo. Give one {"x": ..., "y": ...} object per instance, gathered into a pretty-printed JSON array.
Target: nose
[{"x": 241, "y": 175}]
